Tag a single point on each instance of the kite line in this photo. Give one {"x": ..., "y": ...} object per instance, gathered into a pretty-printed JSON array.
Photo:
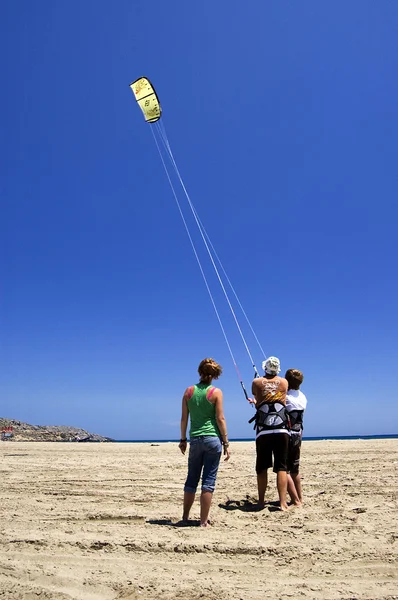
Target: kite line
[{"x": 149, "y": 103}]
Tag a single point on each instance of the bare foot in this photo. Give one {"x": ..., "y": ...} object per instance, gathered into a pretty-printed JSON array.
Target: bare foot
[
  {"x": 206, "y": 524},
  {"x": 183, "y": 523},
  {"x": 284, "y": 507}
]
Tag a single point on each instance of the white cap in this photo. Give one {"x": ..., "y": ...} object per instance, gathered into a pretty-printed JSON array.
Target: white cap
[{"x": 271, "y": 366}]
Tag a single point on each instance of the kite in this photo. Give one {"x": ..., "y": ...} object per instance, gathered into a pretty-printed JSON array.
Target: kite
[{"x": 147, "y": 99}]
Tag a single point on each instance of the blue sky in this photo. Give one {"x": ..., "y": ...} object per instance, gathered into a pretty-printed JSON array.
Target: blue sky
[{"x": 282, "y": 117}]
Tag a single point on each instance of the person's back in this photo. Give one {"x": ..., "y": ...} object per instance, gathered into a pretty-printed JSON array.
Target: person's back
[
  {"x": 269, "y": 389},
  {"x": 202, "y": 411},
  {"x": 270, "y": 393},
  {"x": 296, "y": 403}
]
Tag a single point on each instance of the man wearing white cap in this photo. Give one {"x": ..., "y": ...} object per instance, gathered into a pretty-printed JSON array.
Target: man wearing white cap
[{"x": 271, "y": 422}]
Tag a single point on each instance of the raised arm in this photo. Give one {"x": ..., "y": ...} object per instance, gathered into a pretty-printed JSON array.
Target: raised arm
[{"x": 255, "y": 393}]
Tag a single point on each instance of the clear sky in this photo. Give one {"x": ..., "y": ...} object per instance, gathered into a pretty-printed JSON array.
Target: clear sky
[{"x": 282, "y": 117}]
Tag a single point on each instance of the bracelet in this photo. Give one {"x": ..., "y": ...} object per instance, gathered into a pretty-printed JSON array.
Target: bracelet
[
  {"x": 225, "y": 443},
  {"x": 182, "y": 441}
]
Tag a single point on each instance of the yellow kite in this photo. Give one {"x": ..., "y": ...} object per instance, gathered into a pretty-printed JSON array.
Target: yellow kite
[{"x": 147, "y": 99}]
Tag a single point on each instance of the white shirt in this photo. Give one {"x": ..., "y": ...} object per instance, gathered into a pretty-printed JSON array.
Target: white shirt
[{"x": 295, "y": 400}]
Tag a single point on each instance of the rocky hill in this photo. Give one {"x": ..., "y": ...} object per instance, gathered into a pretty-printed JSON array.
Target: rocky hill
[{"x": 23, "y": 432}]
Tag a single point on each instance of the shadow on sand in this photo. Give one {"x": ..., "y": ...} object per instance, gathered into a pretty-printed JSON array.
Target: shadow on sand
[
  {"x": 249, "y": 504},
  {"x": 169, "y": 522}
]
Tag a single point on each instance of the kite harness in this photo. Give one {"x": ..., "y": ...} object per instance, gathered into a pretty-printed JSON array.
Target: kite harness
[
  {"x": 270, "y": 416},
  {"x": 296, "y": 420}
]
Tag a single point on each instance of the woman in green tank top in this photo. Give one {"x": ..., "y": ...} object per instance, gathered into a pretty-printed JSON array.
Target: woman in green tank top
[{"x": 203, "y": 405}]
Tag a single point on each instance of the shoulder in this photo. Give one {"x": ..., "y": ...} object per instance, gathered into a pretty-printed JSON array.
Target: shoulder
[
  {"x": 283, "y": 382},
  {"x": 214, "y": 392},
  {"x": 296, "y": 400},
  {"x": 303, "y": 399},
  {"x": 189, "y": 392},
  {"x": 291, "y": 399}
]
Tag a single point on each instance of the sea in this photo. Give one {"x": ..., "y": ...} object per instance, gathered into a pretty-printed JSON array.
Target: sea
[{"x": 308, "y": 439}]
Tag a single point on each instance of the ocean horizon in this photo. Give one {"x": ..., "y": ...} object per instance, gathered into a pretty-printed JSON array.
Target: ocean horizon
[{"x": 305, "y": 438}]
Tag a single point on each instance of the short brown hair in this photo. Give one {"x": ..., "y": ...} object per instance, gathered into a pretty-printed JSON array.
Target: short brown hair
[
  {"x": 294, "y": 378},
  {"x": 209, "y": 369}
]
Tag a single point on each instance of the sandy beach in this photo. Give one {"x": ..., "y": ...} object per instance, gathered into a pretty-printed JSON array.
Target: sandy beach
[{"x": 96, "y": 522}]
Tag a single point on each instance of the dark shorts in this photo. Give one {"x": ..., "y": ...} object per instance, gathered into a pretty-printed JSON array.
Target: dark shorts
[
  {"x": 293, "y": 459},
  {"x": 275, "y": 444}
]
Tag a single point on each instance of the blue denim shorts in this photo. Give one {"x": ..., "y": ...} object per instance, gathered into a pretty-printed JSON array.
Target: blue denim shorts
[{"x": 204, "y": 453}]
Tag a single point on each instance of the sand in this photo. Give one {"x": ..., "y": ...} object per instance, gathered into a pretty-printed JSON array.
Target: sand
[{"x": 94, "y": 522}]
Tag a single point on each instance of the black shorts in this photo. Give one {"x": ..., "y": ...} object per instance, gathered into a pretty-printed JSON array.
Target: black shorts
[
  {"x": 293, "y": 459},
  {"x": 269, "y": 444}
]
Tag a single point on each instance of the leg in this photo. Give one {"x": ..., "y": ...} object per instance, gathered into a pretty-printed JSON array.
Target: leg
[
  {"x": 205, "y": 503},
  {"x": 292, "y": 490},
  {"x": 211, "y": 462},
  {"x": 281, "y": 483},
  {"x": 263, "y": 463},
  {"x": 195, "y": 463},
  {"x": 294, "y": 483},
  {"x": 262, "y": 480},
  {"x": 297, "y": 483},
  {"x": 280, "y": 449},
  {"x": 189, "y": 497}
]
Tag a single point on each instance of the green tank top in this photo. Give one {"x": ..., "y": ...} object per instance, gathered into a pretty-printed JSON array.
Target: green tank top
[{"x": 202, "y": 413}]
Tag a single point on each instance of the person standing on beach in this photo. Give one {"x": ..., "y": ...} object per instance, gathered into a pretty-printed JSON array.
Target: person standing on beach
[
  {"x": 272, "y": 437},
  {"x": 203, "y": 404},
  {"x": 296, "y": 403}
]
